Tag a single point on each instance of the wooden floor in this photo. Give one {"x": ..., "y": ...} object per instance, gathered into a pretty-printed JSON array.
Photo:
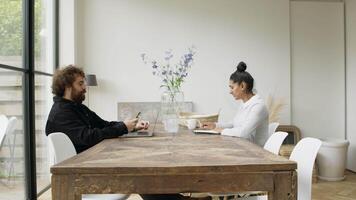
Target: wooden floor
[
  {"x": 323, "y": 190},
  {"x": 342, "y": 190}
]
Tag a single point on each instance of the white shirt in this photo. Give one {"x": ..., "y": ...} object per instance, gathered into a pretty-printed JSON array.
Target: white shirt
[{"x": 251, "y": 122}]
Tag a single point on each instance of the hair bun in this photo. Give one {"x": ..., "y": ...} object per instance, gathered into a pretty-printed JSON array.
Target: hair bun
[{"x": 241, "y": 67}]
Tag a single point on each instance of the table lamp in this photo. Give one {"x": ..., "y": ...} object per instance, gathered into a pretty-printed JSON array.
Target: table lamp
[{"x": 91, "y": 81}]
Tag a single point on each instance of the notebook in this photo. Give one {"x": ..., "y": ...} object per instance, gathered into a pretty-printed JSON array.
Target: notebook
[
  {"x": 142, "y": 133},
  {"x": 203, "y": 131}
]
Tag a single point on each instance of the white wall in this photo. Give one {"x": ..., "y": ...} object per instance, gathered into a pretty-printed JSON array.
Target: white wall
[
  {"x": 318, "y": 68},
  {"x": 351, "y": 81},
  {"x": 112, "y": 34},
  {"x": 67, "y": 32}
]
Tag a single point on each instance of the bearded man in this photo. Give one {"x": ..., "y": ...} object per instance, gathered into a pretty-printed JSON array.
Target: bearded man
[{"x": 69, "y": 116}]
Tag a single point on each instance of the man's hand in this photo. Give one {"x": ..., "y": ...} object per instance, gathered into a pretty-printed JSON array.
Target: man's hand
[
  {"x": 131, "y": 124},
  {"x": 208, "y": 125},
  {"x": 142, "y": 125}
]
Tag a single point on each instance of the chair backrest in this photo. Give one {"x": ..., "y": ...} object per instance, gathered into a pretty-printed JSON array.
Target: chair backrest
[
  {"x": 3, "y": 126},
  {"x": 11, "y": 125},
  {"x": 272, "y": 127},
  {"x": 274, "y": 142},
  {"x": 61, "y": 147},
  {"x": 304, "y": 153}
]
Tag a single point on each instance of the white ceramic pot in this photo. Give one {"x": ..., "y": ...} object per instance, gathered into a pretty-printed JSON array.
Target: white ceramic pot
[{"x": 332, "y": 159}]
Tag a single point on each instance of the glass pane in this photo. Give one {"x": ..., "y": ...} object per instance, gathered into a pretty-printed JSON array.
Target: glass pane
[
  {"x": 12, "y": 166},
  {"x": 43, "y": 105},
  {"x": 11, "y": 32},
  {"x": 44, "y": 35}
]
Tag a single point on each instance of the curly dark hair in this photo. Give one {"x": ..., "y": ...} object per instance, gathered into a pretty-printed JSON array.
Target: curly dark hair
[{"x": 65, "y": 77}]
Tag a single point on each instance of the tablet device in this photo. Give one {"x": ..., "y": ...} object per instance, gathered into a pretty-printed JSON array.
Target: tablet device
[{"x": 203, "y": 131}]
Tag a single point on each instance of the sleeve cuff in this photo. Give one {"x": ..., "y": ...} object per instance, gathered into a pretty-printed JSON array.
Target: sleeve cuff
[{"x": 124, "y": 127}]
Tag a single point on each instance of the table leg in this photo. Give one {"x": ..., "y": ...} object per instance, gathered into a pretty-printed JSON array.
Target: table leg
[
  {"x": 63, "y": 188},
  {"x": 285, "y": 186}
]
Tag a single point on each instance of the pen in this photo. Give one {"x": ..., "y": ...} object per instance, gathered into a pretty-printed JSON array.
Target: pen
[{"x": 138, "y": 114}]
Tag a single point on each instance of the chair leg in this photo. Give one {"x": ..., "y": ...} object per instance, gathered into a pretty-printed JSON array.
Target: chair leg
[{"x": 12, "y": 158}]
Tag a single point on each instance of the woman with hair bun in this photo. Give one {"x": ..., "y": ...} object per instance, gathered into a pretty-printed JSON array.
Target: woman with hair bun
[{"x": 251, "y": 122}]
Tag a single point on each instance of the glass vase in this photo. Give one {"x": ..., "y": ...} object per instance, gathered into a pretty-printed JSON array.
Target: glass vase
[{"x": 171, "y": 105}]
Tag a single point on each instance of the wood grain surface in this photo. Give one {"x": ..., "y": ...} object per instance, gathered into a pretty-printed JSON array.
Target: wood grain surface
[{"x": 184, "y": 162}]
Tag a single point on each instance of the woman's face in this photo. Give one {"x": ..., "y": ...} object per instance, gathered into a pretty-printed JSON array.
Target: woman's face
[{"x": 237, "y": 90}]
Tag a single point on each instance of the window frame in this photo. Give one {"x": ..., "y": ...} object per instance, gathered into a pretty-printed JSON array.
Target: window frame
[{"x": 28, "y": 90}]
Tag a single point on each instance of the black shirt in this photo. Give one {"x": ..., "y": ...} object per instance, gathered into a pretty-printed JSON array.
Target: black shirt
[{"x": 84, "y": 128}]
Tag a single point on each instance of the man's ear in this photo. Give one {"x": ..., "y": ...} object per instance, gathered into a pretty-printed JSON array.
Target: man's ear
[{"x": 67, "y": 90}]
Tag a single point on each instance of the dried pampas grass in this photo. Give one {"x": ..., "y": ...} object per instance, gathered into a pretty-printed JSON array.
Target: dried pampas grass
[{"x": 274, "y": 106}]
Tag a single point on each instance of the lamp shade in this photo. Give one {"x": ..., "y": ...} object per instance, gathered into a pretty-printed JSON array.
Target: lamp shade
[{"x": 91, "y": 80}]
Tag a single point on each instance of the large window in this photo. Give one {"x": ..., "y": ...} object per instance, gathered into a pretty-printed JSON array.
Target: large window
[
  {"x": 27, "y": 62},
  {"x": 44, "y": 35},
  {"x": 12, "y": 166},
  {"x": 11, "y": 33},
  {"x": 43, "y": 103},
  {"x": 44, "y": 63}
]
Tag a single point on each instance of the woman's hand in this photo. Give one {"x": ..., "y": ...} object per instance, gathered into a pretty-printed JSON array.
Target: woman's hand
[{"x": 208, "y": 125}]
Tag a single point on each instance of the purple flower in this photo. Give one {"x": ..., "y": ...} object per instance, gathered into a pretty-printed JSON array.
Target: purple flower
[
  {"x": 172, "y": 75},
  {"x": 143, "y": 56},
  {"x": 169, "y": 55}
]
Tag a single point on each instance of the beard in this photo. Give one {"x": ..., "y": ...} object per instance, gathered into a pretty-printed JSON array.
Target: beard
[{"x": 78, "y": 97}]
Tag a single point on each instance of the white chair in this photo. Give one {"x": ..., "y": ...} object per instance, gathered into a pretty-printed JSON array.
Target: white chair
[
  {"x": 11, "y": 136},
  {"x": 304, "y": 153},
  {"x": 7, "y": 133},
  {"x": 3, "y": 124},
  {"x": 62, "y": 148},
  {"x": 272, "y": 127},
  {"x": 274, "y": 142}
]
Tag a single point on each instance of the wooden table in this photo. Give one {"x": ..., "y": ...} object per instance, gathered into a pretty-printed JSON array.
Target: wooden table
[{"x": 180, "y": 164}]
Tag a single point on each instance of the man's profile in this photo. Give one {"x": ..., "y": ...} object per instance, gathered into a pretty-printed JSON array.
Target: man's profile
[{"x": 68, "y": 115}]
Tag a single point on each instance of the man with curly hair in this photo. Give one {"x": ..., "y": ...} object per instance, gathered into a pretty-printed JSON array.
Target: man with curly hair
[{"x": 68, "y": 115}]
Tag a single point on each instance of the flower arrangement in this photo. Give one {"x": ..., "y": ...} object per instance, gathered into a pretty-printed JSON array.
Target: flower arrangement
[{"x": 172, "y": 75}]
